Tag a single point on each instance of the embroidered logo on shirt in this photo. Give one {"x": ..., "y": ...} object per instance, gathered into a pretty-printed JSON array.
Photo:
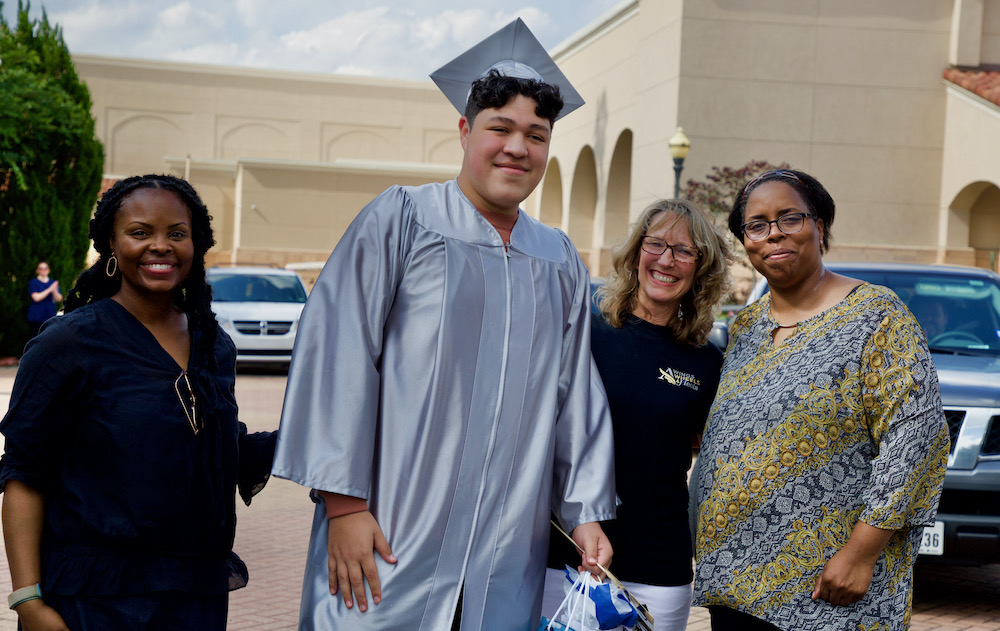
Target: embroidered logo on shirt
[{"x": 678, "y": 378}]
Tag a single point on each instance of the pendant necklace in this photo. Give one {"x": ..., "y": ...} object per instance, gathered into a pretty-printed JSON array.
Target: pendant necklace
[{"x": 777, "y": 324}]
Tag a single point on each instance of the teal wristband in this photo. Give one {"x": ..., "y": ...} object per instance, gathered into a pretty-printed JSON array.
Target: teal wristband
[{"x": 23, "y": 595}]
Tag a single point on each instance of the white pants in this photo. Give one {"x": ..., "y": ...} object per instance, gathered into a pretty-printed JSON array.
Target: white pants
[{"x": 669, "y": 606}]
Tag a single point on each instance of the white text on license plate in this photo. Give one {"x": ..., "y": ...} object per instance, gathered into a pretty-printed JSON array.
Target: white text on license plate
[{"x": 933, "y": 539}]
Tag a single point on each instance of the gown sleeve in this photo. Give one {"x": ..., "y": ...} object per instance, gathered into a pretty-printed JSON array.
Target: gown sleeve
[
  {"x": 50, "y": 378},
  {"x": 584, "y": 470},
  {"x": 335, "y": 366},
  {"x": 902, "y": 401}
]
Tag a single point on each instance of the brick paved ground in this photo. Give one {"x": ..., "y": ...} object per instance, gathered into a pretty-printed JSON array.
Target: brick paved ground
[
  {"x": 272, "y": 535},
  {"x": 273, "y": 532}
]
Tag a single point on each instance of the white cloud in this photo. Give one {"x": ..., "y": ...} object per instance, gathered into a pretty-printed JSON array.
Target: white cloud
[
  {"x": 393, "y": 38},
  {"x": 92, "y": 25},
  {"x": 338, "y": 36},
  {"x": 250, "y": 11},
  {"x": 176, "y": 16},
  {"x": 222, "y": 54}
]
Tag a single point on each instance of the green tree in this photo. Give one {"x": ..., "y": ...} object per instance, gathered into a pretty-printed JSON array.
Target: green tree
[
  {"x": 50, "y": 166},
  {"x": 716, "y": 194}
]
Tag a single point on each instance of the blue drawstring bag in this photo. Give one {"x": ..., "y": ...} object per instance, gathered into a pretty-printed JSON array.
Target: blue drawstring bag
[{"x": 591, "y": 605}]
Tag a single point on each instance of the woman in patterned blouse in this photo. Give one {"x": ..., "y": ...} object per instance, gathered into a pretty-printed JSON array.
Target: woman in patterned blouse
[{"x": 826, "y": 447}]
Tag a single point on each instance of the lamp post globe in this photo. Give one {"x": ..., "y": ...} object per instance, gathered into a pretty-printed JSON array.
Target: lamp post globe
[{"x": 679, "y": 148}]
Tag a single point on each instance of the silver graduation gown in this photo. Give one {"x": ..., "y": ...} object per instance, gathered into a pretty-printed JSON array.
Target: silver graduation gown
[{"x": 449, "y": 381}]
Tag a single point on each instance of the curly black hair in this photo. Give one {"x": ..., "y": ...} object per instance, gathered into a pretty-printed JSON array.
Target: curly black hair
[
  {"x": 816, "y": 197},
  {"x": 193, "y": 297},
  {"x": 496, "y": 90}
]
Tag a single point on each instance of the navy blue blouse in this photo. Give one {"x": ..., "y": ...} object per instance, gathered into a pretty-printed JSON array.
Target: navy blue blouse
[
  {"x": 135, "y": 502},
  {"x": 44, "y": 309}
]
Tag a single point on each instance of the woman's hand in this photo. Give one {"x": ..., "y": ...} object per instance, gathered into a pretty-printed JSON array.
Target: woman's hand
[
  {"x": 847, "y": 576},
  {"x": 845, "y": 579},
  {"x": 35, "y": 615}
]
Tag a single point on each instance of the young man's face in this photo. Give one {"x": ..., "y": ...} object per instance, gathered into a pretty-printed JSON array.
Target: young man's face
[{"x": 506, "y": 150}]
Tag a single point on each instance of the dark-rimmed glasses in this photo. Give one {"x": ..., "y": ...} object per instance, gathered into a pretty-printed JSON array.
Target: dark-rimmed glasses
[
  {"x": 188, "y": 404},
  {"x": 758, "y": 229},
  {"x": 681, "y": 253}
]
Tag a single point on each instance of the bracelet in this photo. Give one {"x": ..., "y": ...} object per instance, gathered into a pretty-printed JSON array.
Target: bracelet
[{"x": 23, "y": 595}]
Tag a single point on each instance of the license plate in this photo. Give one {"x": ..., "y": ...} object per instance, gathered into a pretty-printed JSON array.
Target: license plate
[{"x": 932, "y": 542}]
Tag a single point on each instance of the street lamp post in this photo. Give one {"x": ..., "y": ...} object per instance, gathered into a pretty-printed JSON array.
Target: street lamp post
[{"x": 679, "y": 147}]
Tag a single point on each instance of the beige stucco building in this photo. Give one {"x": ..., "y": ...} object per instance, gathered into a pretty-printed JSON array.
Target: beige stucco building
[
  {"x": 851, "y": 91},
  {"x": 284, "y": 161}
]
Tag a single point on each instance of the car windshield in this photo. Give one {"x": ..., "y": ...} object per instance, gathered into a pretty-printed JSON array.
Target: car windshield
[
  {"x": 256, "y": 288},
  {"x": 959, "y": 313}
]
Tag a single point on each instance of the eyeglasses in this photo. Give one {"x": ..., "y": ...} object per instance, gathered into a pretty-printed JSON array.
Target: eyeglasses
[
  {"x": 189, "y": 404},
  {"x": 758, "y": 230},
  {"x": 681, "y": 253}
]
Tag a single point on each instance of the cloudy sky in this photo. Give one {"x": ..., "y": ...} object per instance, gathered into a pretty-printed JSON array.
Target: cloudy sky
[{"x": 387, "y": 38}]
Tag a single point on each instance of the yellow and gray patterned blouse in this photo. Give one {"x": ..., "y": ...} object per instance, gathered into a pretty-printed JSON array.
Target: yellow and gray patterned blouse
[{"x": 840, "y": 422}]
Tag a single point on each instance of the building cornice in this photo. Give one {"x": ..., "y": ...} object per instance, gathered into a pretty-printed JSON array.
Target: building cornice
[
  {"x": 971, "y": 98},
  {"x": 615, "y": 17},
  {"x": 350, "y": 167},
  {"x": 220, "y": 166},
  {"x": 252, "y": 73}
]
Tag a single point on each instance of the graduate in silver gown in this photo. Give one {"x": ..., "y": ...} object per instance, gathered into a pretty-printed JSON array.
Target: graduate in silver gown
[{"x": 442, "y": 399}]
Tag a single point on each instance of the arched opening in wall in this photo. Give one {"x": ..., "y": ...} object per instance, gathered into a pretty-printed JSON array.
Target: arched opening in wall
[
  {"x": 139, "y": 144},
  {"x": 363, "y": 145},
  {"x": 619, "y": 187},
  {"x": 983, "y": 202},
  {"x": 583, "y": 201},
  {"x": 445, "y": 150},
  {"x": 256, "y": 140},
  {"x": 550, "y": 208}
]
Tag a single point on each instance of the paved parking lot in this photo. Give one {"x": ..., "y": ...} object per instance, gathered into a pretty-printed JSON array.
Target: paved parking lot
[{"x": 273, "y": 532}]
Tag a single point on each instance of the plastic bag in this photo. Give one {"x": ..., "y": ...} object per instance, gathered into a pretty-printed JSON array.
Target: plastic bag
[{"x": 591, "y": 605}]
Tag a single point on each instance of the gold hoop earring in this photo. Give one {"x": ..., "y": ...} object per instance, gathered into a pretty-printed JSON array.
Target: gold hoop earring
[{"x": 111, "y": 268}]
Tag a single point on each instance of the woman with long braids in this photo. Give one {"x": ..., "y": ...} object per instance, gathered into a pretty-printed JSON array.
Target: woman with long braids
[{"x": 123, "y": 450}]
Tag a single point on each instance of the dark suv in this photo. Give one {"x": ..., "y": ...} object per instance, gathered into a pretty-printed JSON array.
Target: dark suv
[{"x": 959, "y": 310}]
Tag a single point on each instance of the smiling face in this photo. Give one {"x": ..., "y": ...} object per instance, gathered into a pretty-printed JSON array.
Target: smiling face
[
  {"x": 663, "y": 281},
  {"x": 783, "y": 259},
  {"x": 152, "y": 240},
  {"x": 505, "y": 154}
]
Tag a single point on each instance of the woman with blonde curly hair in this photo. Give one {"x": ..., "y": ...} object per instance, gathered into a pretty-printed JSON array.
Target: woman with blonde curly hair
[{"x": 649, "y": 339}]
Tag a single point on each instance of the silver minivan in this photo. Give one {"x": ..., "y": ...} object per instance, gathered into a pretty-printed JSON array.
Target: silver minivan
[{"x": 259, "y": 307}]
